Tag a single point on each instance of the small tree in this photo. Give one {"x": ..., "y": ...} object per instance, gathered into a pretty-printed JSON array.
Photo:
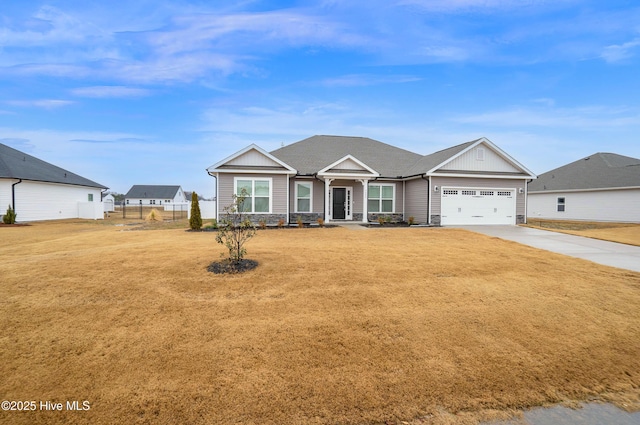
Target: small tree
[
  {"x": 235, "y": 228},
  {"x": 10, "y": 216},
  {"x": 195, "y": 221}
]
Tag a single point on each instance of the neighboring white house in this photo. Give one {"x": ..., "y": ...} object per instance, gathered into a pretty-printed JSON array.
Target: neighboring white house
[
  {"x": 154, "y": 195},
  {"x": 600, "y": 187},
  {"x": 38, "y": 190}
]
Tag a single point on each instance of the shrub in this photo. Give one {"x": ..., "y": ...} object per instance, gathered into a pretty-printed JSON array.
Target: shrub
[
  {"x": 412, "y": 220},
  {"x": 300, "y": 223},
  {"x": 381, "y": 220},
  {"x": 195, "y": 221},
  {"x": 281, "y": 223},
  {"x": 10, "y": 216},
  {"x": 236, "y": 229},
  {"x": 263, "y": 224},
  {"x": 154, "y": 215},
  {"x": 320, "y": 222}
]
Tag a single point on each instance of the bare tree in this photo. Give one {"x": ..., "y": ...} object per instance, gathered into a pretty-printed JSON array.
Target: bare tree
[{"x": 236, "y": 228}]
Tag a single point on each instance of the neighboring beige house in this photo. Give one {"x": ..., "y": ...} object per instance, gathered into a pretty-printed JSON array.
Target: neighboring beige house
[
  {"x": 38, "y": 190},
  {"x": 600, "y": 187},
  {"x": 358, "y": 179}
]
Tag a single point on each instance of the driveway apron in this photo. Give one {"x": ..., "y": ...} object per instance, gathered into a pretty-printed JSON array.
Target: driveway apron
[{"x": 602, "y": 252}]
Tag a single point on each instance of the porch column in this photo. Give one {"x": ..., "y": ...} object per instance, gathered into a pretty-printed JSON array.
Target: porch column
[
  {"x": 365, "y": 198},
  {"x": 327, "y": 191}
]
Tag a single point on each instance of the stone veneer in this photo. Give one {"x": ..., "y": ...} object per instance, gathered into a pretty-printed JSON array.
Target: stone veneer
[
  {"x": 395, "y": 217},
  {"x": 435, "y": 220},
  {"x": 306, "y": 217}
]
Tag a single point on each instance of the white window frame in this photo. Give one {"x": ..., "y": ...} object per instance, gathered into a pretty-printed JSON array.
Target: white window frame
[
  {"x": 253, "y": 191},
  {"x": 380, "y": 199},
  {"x": 310, "y": 183},
  {"x": 562, "y": 204}
]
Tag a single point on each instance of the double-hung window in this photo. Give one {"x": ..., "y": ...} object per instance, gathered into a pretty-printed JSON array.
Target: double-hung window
[
  {"x": 303, "y": 196},
  {"x": 257, "y": 194},
  {"x": 380, "y": 198},
  {"x": 561, "y": 204}
]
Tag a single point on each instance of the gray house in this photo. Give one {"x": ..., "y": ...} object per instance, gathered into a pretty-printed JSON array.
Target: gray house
[
  {"x": 146, "y": 194},
  {"x": 600, "y": 187},
  {"x": 358, "y": 179},
  {"x": 38, "y": 190}
]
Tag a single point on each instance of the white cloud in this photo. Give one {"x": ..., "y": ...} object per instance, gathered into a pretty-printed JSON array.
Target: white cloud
[
  {"x": 620, "y": 52},
  {"x": 359, "y": 80},
  {"x": 110, "y": 91},
  {"x": 41, "y": 103}
]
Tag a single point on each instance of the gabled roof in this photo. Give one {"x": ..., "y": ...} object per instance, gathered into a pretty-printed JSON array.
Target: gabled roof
[
  {"x": 429, "y": 162},
  {"x": 245, "y": 161},
  {"x": 348, "y": 166},
  {"x": 315, "y": 153},
  {"x": 142, "y": 191},
  {"x": 597, "y": 171},
  {"x": 19, "y": 165}
]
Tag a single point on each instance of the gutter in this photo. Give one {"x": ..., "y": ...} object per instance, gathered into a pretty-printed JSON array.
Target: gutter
[{"x": 13, "y": 194}]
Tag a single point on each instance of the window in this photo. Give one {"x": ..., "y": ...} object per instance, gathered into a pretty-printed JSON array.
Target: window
[
  {"x": 303, "y": 196},
  {"x": 504, "y": 193},
  {"x": 380, "y": 198},
  {"x": 91, "y": 197},
  {"x": 480, "y": 154},
  {"x": 561, "y": 204},
  {"x": 450, "y": 192},
  {"x": 486, "y": 192},
  {"x": 257, "y": 194},
  {"x": 469, "y": 192}
]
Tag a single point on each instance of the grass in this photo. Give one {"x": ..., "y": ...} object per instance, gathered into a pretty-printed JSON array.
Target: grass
[
  {"x": 627, "y": 233},
  {"x": 334, "y": 327}
]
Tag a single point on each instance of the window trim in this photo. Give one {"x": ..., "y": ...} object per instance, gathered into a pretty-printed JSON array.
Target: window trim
[
  {"x": 295, "y": 206},
  {"x": 380, "y": 198},
  {"x": 561, "y": 202},
  {"x": 253, "y": 191}
]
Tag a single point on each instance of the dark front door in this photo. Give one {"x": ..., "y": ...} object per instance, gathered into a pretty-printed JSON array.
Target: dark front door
[{"x": 339, "y": 200}]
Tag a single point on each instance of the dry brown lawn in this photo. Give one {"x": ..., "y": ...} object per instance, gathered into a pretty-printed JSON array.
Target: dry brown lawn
[
  {"x": 627, "y": 233},
  {"x": 335, "y": 326}
]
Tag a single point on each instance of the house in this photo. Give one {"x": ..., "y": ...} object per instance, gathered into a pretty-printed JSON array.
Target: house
[
  {"x": 38, "y": 190},
  {"x": 154, "y": 195},
  {"x": 600, "y": 187},
  {"x": 339, "y": 178}
]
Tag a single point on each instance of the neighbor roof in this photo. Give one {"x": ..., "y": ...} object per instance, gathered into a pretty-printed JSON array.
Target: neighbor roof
[
  {"x": 19, "y": 165},
  {"x": 311, "y": 155},
  {"x": 598, "y": 171},
  {"x": 142, "y": 191}
]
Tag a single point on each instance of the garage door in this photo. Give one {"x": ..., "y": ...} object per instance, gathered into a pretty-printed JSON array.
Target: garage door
[{"x": 462, "y": 206}]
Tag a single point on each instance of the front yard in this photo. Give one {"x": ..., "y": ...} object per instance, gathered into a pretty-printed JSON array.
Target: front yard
[{"x": 334, "y": 326}]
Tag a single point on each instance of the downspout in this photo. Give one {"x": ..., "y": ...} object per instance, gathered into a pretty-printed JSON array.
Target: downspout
[
  {"x": 428, "y": 197},
  {"x": 13, "y": 195},
  {"x": 214, "y": 175}
]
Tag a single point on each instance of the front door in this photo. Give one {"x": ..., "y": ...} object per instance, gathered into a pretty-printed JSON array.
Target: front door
[{"x": 339, "y": 203}]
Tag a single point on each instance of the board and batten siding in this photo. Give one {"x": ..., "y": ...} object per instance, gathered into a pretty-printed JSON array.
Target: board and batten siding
[
  {"x": 417, "y": 200},
  {"x": 478, "y": 183},
  {"x": 481, "y": 158},
  {"x": 278, "y": 191},
  {"x": 51, "y": 201},
  {"x": 621, "y": 205}
]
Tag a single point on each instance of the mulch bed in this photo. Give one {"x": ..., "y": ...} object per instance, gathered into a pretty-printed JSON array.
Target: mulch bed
[
  {"x": 14, "y": 225},
  {"x": 228, "y": 266}
]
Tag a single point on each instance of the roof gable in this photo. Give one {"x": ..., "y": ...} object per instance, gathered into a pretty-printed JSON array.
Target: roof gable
[
  {"x": 251, "y": 159},
  {"x": 348, "y": 166},
  {"x": 19, "y": 165},
  {"x": 597, "y": 171},
  {"x": 482, "y": 156}
]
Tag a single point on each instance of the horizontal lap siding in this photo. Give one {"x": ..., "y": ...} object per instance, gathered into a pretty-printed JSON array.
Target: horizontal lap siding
[
  {"x": 317, "y": 205},
  {"x": 416, "y": 202},
  {"x": 50, "y": 201},
  {"x": 279, "y": 190},
  {"x": 478, "y": 183},
  {"x": 610, "y": 205},
  {"x": 5, "y": 194}
]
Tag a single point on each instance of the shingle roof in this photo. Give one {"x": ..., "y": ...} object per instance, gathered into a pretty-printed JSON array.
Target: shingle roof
[
  {"x": 19, "y": 165},
  {"x": 142, "y": 191},
  {"x": 311, "y": 155},
  {"x": 600, "y": 170}
]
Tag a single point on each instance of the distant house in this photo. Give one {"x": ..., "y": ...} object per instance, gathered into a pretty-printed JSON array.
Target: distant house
[
  {"x": 38, "y": 190},
  {"x": 154, "y": 195},
  {"x": 600, "y": 187},
  {"x": 339, "y": 178}
]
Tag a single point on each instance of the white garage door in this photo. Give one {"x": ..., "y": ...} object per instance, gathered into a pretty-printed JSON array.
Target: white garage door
[{"x": 461, "y": 206}]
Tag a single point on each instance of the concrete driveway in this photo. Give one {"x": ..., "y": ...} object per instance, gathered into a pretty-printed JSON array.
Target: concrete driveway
[{"x": 602, "y": 252}]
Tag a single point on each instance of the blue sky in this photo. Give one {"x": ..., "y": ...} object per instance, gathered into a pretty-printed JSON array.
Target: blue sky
[{"x": 153, "y": 92}]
